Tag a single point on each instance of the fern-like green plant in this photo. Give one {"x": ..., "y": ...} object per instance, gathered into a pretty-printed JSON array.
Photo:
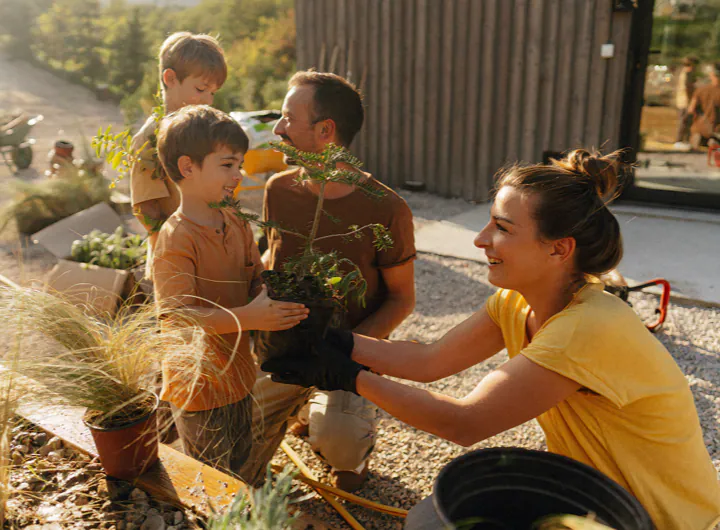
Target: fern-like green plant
[{"x": 265, "y": 508}]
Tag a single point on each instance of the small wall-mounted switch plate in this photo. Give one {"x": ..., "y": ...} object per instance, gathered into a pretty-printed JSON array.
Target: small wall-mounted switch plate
[{"x": 607, "y": 51}]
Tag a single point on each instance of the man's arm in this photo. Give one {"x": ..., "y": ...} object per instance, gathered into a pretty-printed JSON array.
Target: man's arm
[{"x": 398, "y": 305}]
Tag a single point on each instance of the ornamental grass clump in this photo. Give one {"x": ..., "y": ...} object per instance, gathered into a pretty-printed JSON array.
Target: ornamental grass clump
[{"x": 109, "y": 365}]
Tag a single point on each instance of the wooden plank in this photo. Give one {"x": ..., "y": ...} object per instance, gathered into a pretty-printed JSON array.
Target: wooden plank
[
  {"x": 384, "y": 104},
  {"x": 564, "y": 78},
  {"x": 549, "y": 73},
  {"x": 359, "y": 40},
  {"x": 476, "y": 91},
  {"x": 500, "y": 74},
  {"x": 408, "y": 88},
  {"x": 459, "y": 100},
  {"x": 419, "y": 107},
  {"x": 581, "y": 73},
  {"x": 373, "y": 83},
  {"x": 444, "y": 132},
  {"x": 308, "y": 34},
  {"x": 301, "y": 43},
  {"x": 341, "y": 37},
  {"x": 432, "y": 93},
  {"x": 319, "y": 28},
  {"x": 615, "y": 85},
  {"x": 598, "y": 71},
  {"x": 533, "y": 54},
  {"x": 517, "y": 80},
  {"x": 176, "y": 478},
  {"x": 397, "y": 105},
  {"x": 490, "y": 135}
]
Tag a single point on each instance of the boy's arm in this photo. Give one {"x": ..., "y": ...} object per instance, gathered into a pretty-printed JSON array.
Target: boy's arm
[{"x": 145, "y": 185}]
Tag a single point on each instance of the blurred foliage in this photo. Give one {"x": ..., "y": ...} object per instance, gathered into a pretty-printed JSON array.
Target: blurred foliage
[
  {"x": 115, "y": 43},
  {"x": 681, "y": 32}
]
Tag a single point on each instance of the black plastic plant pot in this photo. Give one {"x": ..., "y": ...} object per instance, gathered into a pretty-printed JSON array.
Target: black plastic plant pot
[
  {"x": 299, "y": 339},
  {"x": 510, "y": 488}
]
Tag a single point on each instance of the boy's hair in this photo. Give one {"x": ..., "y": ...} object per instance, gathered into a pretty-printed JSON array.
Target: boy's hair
[
  {"x": 193, "y": 54},
  {"x": 196, "y": 131},
  {"x": 335, "y": 99}
]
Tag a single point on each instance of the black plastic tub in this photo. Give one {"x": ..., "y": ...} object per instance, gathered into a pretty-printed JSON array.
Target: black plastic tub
[{"x": 514, "y": 489}]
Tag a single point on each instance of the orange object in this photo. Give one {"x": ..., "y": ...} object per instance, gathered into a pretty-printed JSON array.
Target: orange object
[
  {"x": 713, "y": 156},
  {"x": 263, "y": 160}
]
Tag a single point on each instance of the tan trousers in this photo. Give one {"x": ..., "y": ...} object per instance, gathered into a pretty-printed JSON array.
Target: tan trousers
[{"x": 341, "y": 425}]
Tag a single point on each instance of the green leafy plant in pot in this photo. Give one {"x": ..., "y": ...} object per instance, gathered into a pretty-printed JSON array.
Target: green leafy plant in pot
[
  {"x": 323, "y": 282},
  {"x": 108, "y": 366}
]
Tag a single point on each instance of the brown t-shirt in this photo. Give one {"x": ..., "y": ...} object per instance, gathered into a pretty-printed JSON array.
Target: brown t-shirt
[
  {"x": 198, "y": 265},
  {"x": 293, "y": 207},
  {"x": 707, "y": 111}
]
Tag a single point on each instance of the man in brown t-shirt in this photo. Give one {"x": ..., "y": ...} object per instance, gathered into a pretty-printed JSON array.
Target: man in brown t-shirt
[{"x": 319, "y": 109}]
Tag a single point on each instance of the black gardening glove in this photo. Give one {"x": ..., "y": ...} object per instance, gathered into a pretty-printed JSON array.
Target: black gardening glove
[
  {"x": 329, "y": 368},
  {"x": 341, "y": 339}
]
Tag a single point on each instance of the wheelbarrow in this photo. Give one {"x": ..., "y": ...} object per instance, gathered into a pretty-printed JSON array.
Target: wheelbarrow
[
  {"x": 15, "y": 146},
  {"x": 623, "y": 291}
]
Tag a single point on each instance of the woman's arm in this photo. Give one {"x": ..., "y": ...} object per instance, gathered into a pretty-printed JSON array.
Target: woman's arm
[
  {"x": 511, "y": 395},
  {"x": 467, "y": 344}
]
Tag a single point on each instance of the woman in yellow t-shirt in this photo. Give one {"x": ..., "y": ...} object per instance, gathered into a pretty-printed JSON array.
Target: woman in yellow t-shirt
[{"x": 604, "y": 390}]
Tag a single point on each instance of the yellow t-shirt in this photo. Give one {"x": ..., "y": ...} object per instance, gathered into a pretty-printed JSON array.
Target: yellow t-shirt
[{"x": 635, "y": 418}]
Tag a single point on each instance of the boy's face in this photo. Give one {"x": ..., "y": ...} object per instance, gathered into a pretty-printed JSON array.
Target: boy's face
[
  {"x": 193, "y": 90},
  {"x": 215, "y": 179}
]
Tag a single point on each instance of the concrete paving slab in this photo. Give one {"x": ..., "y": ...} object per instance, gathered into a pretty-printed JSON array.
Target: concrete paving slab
[{"x": 679, "y": 245}]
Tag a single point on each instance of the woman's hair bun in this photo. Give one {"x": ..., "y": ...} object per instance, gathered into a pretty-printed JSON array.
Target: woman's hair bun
[{"x": 602, "y": 172}]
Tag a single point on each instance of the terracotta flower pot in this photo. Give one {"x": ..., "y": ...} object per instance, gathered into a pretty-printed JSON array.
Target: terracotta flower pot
[{"x": 127, "y": 451}]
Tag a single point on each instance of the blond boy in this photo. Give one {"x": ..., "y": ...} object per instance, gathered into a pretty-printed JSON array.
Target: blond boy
[
  {"x": 207, "y": 263},
  {"x": 192, "y": 68}
]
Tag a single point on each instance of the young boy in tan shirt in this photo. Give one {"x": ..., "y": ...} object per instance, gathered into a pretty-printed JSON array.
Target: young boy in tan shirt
[
  {"x": 192, "y": 69},
  {"x": 207, "y": 262}
]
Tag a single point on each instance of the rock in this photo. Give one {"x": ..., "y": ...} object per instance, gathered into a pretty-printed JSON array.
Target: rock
[
  {"x": 40, "y": 438},
  {"x": 137, "y": 495},
  {"x": 45, "y": 450},
  {"x": 17, "y": 458},
  {"x": 80, "y": 500},
  {"x": 131, "y": 526},
  {"x": 23, "y": 487},
  {"x": 153, "y": 511},
  {"x": 55, "y": 443},
  {"x": 118, "y": 490},
  {"x": 24, "y": 449},
  {"x": 154, "y": 522},
  {"x": 55, "y": 456},
  {"x": 121, "y": 525},
  {"x": 178, "y": 518}
]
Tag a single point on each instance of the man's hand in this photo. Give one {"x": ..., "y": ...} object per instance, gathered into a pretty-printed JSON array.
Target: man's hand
[
  {"x": 267, "y": 314},
  {"x": 327, "y": 369}
]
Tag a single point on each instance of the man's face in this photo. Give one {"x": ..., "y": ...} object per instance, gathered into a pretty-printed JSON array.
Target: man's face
[{"x": 296, "y": 127}]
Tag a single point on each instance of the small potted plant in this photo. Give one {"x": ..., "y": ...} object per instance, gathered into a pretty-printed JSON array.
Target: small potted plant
[
  {"x": 323, "y": 282},
  {"x": 109, "y": 366}
]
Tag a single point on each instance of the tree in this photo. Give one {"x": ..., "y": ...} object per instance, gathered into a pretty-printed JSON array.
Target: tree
[
  {"x": 17, "y": 21},
  {"x": 128, "y": 53}
]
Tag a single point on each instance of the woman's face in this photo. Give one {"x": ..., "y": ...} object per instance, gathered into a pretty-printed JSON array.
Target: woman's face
[{"x": 516, "y": 254}]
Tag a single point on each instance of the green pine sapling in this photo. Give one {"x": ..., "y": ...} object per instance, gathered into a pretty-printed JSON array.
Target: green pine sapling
[{"x": 323, "y": 270}]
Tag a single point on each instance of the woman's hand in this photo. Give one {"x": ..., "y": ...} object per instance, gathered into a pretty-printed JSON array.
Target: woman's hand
[
  {"x": 329, "y": 368},
  {"x": 266, "y": 314}
]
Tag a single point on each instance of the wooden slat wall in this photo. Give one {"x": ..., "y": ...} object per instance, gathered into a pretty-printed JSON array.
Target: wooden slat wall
[{"x": 455, "y": 89}]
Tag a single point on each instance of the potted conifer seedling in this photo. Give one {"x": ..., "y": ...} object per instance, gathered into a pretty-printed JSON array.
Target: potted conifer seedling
[{"x": 323, "y": 282}]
